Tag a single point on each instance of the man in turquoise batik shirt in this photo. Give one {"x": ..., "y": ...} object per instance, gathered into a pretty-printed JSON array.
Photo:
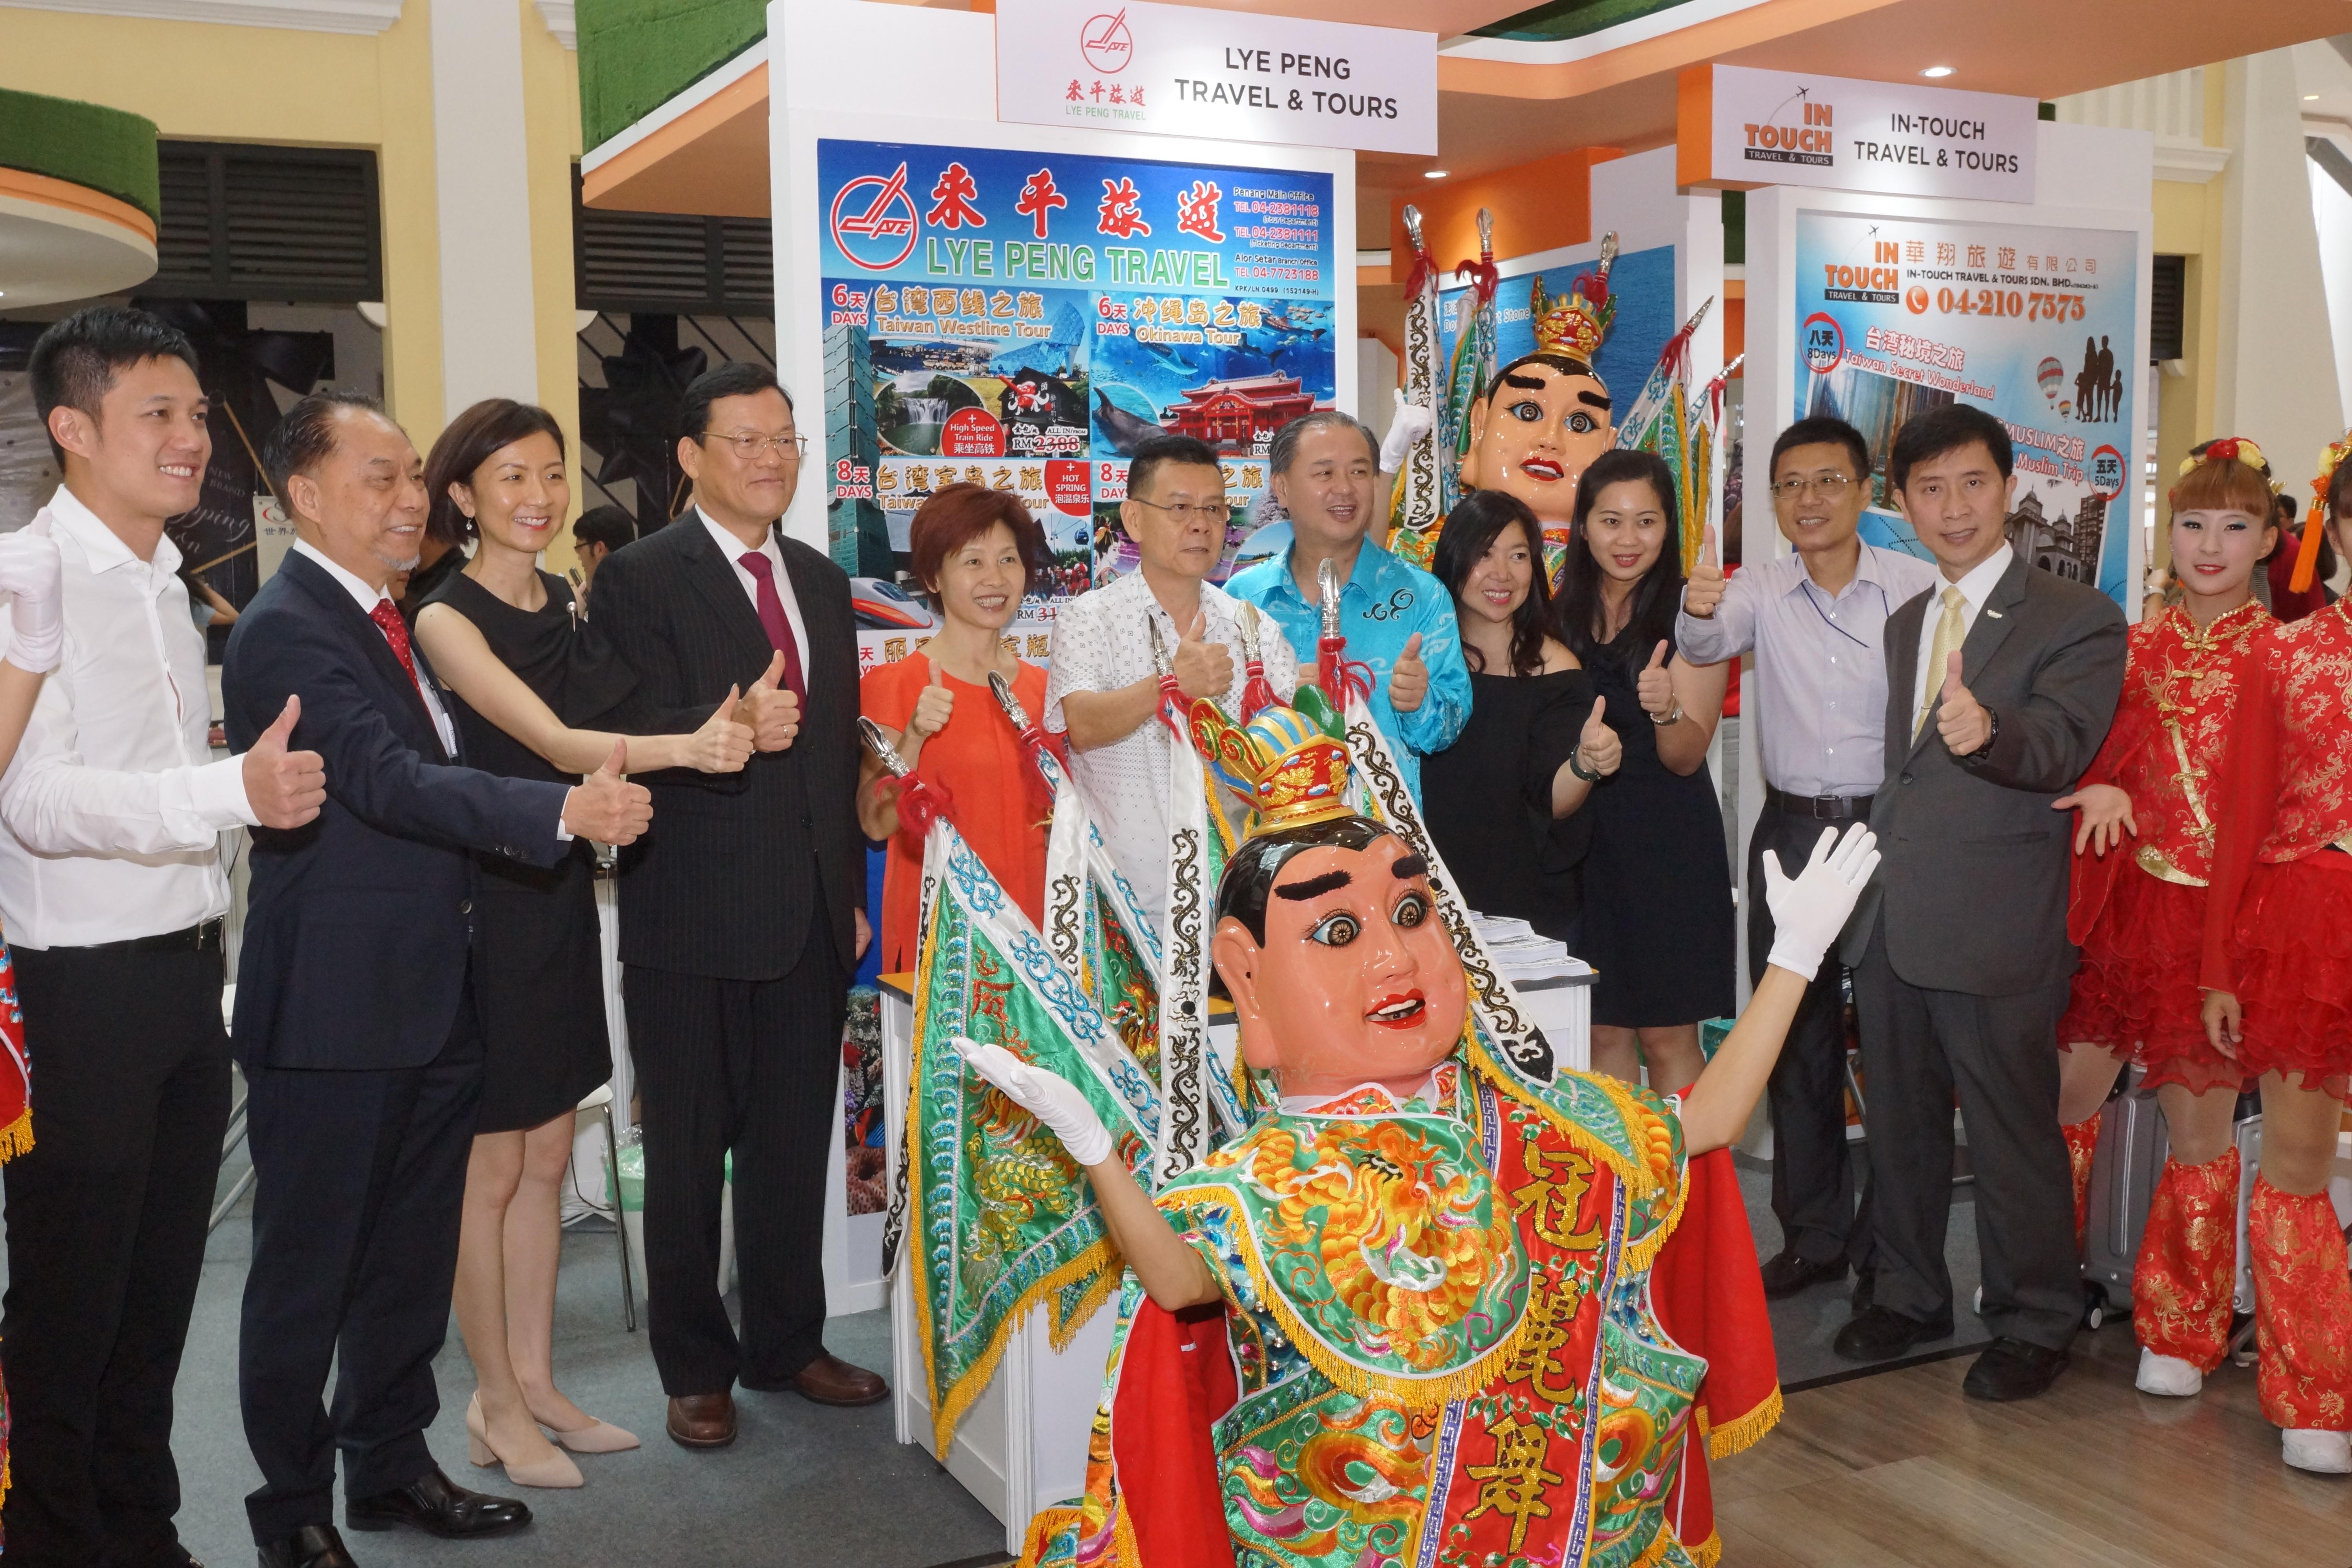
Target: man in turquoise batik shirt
[{"x": 1398, "y": 618}]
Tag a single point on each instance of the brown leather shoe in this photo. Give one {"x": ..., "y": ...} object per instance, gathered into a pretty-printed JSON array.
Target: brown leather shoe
[
  {"x": 829, "y": 1380},
  {"x": 702, "y": 1420}
]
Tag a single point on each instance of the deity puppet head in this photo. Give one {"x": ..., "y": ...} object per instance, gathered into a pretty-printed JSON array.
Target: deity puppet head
[
  {"x": 1546, "y": 414},
  {"x": 1328, "y": 936}
]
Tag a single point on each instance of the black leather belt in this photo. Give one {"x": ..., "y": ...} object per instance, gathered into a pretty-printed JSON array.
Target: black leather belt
[
  {"x": 1820, "y": 807},
  {"x": 205, "y": 937}
]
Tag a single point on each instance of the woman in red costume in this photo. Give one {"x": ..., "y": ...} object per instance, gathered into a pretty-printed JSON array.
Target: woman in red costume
[
  {"x": 2138, "y": 909},
  {"x": 2277, "y": 971}
]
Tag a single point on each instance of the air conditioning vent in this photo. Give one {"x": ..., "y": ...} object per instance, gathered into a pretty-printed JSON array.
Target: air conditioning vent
[{"x": 241, "y": 222}]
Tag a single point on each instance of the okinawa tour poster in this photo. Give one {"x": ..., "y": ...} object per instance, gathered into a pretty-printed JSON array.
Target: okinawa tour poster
[
  {"x": 2037, "y": 325},
  {"x": 1022, "y": 320}
]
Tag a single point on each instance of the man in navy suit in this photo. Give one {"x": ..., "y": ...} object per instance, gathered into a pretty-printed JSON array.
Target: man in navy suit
[{"x": 354, "y": 1019}]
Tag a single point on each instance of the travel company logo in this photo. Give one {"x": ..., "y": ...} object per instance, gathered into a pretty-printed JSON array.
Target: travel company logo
[
  {"x": 1105, "y": 43},
  {"x": 876, "y": 232},
  {"x": 1810, "y": 142}
]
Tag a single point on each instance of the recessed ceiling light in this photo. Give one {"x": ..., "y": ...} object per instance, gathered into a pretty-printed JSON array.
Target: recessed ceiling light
[
  {"x": 1433, "y": 173},
  {"x": 1936, "y": 71},
  {"x": 2311, "y": 98}
]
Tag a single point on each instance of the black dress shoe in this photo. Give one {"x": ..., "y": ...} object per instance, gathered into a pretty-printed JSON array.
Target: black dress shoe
[
  {"x": 1788, "y": 1274},
  {"x": 313, "y": 1546},
  {"x": 437, "y": 1506},
  {"x": 1881, "y": 1333},
  {"x": 2012, "y": 1369}
]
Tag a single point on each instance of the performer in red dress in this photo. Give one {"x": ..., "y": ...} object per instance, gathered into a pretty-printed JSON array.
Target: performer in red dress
[
  {"x": 2277, "y": 971},
  {"x": 2144, "y": 855}
]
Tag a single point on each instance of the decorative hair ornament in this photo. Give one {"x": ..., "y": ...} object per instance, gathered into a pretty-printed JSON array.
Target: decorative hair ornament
[
  {"x": 2227, "y": 449},
  {"x": 1290, "y": 763},
  {"x": 2306, "y": 552},
  {"x": 1575, "y": 323}
]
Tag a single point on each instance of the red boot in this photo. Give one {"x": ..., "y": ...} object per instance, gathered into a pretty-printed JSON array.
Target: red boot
[
  {"x": 2082, "y": 1141},
  {"x": 2187, "y": 1263},
  {"x": 2303, "y": 1310}
]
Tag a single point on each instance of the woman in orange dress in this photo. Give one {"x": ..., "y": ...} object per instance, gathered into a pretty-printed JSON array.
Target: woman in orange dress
[
  {"x": 2277, "y": 971},
  {"x": 976, "y": 551},
  {"x": 2144, "y": 849}
]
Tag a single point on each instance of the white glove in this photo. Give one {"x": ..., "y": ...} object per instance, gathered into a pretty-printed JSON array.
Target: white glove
[
  {"x": 1410, "y": 423},
  {"x": 29, "y": 571},
  {"x": 1809, "y": 909},
  {"x": 1049, "y": 1097}
]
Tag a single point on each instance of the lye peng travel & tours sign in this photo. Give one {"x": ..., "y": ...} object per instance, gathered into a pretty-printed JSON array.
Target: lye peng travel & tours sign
[
  {"x": 1738, "y": 127},
  {"x": 1180, "y": 70}
]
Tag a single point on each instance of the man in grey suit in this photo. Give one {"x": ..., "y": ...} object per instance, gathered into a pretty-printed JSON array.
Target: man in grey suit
[{"x": 2002, "y": 682}]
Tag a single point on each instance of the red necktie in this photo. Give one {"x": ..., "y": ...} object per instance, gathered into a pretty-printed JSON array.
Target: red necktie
[
  {"x": 772, "y": 618},
  {"x": 395, "y": 632}
]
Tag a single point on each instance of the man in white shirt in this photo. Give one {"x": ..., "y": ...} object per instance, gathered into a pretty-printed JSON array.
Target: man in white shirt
[
  {"x": 1104, "y": 689},
  {"x": 113, "y": 896},
  {"x": 1816, "y": 705}
]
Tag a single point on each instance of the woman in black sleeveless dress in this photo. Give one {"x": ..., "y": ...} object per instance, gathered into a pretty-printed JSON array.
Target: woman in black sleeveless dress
[
  {"x": 1658, "y": 885},
  {"x": 538, "y": 697},
  {"x": 1504, "y": 802}
]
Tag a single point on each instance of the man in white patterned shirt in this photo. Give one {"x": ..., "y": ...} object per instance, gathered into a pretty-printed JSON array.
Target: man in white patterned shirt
[{"x": 1104, "y": 690}]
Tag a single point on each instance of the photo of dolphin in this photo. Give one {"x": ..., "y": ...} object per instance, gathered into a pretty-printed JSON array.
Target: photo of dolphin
[{"x": 1123, "y": 429}]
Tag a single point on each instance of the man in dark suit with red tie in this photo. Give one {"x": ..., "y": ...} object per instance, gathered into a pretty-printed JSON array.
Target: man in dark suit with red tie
[
  {"x": 355, "y": 1018},
  {"x": 742, "y": 914}
]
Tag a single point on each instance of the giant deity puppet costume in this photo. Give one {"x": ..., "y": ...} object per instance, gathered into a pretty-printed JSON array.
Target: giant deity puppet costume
[
  {"x": 1437, "y": 1300},
  {"x": 1532, "y": 427}
]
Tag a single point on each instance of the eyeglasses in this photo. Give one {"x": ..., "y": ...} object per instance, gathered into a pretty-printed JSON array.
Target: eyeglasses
[
  {"x": 1829, "y": 486},
  {"x": 749, "y": 447},
  {"x": 1185, "y": 513}
]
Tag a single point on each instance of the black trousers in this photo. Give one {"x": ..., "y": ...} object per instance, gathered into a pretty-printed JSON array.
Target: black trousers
[
  {"x": 361, "y": 1180},
  {"x": 1813, "y": 1176},
  {"x": 105, "y": 1242},
  {"x": 2000, "y": 1055},
  {"x": 750, "y": 1067}
]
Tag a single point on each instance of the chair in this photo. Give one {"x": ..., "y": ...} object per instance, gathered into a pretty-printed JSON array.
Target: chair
[{"x": 601, "y": 1101}]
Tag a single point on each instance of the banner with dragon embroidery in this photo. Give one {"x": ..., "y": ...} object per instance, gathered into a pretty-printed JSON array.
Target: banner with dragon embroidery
[{"x": 1000, "y": 1217}]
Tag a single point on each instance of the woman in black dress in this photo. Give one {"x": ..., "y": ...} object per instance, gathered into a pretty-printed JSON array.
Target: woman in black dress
[
  {"x": 1503, "y": 801},
  {"x": 538, "y": 698},
  {"x": 1657, "y": 883}
]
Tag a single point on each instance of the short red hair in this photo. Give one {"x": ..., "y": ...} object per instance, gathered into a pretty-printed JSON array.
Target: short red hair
[{"x": 958, "y": 514}]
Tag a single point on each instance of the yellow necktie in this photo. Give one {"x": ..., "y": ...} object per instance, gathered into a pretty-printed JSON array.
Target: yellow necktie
[{"x": 1950, "y": 633}]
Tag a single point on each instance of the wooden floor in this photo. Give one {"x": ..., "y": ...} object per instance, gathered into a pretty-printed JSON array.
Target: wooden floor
[{"x": 1899, "y": 1471}]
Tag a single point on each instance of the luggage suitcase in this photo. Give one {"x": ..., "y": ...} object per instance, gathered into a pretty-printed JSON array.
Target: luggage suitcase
[{"x": 2123, "y": 1171}]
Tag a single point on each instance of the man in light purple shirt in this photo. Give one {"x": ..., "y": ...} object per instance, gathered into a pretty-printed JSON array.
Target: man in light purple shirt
[{"x": 1816, "y": 706}]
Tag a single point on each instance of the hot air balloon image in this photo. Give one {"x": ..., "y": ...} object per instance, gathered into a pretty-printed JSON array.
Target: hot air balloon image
[{"x": 2051, "y": 374}]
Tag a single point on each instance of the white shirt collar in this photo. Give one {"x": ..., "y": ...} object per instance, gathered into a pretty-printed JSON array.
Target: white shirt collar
[
  {"x": 367, "y": 598},
  {"x": 732, "y": 548},
  {"x": 100, "y": 545},
  {"x": 1981, "y": 579}
]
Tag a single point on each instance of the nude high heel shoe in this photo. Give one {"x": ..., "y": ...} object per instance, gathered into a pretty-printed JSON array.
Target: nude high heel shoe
[
  {"x": 555, "y": 1471},
  {"x": 596, "y": 1437}
]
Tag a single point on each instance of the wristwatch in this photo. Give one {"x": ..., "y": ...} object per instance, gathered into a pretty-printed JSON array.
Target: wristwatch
[
  {"x": 1992, "y": 733},
  {"x": 1576, "y": 766},
  {"x": 1673, "y": 715}
]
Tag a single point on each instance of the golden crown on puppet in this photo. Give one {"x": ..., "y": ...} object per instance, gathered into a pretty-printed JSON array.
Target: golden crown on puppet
[
  {"x": 1290, "y": 763},
  {"x": 1574, "y": 323}
]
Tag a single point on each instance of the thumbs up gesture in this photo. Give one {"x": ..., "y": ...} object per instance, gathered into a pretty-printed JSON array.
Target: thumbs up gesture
[
  {"x": 721, "y": 745},
  {"x": 1705, "y": 591},
  {"x": 1408, "y": 678},
  {"x": 284, "y": 788},
  {"x": 1960, "y": 719},
  {"x": 1203, "y": 669},
  {"x": 29, "y": 574},
  {"x": 1598, "y": 747},
  {"x": 770, "y": 710},
  {"x": 607, "y": 809},
  {"x": 933, "y": 709},
  {"x": 1656, "y": 686}
]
